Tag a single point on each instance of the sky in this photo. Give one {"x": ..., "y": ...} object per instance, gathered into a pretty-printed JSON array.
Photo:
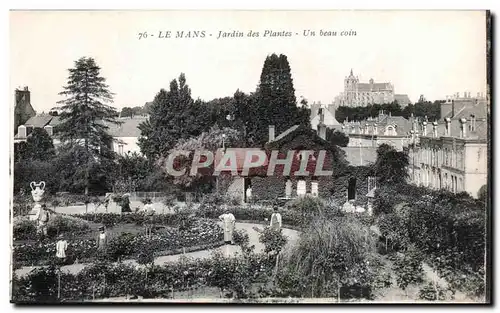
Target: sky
[{"x": 434, "y": 53}]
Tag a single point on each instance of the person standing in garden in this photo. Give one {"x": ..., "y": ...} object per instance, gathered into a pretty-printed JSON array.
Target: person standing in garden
[
  {"x": 149, "y": 212},
  {"x": 275, "y": 220},
  {"x": 102, "y": 239},
  {"x": 42, "y": 218},
  {"x": 228, "y": 223},
  {"x": 61, "y": 247}
]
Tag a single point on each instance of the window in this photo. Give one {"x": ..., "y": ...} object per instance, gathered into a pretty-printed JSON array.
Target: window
[
  {"x": 288, "y": 188},
  {"x": 301, "y": 188},
  {"x": 314, "y": 188},
  {"x": 120, "y": 149}
]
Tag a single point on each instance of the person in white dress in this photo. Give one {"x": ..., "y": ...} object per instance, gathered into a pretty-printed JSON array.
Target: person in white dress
[
  {"x": 228, "y": 224},
  {"x": 275, "y": 220},
  {"x": 61, "y": 247}
]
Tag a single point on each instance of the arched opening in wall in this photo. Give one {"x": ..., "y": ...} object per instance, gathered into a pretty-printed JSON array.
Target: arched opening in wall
[
  {"x": 314, "y": 186},
  {"x": 288, "y": 188},
  {"x": 351, "y": 189},
  {"x": 247, "y": 189},
  {"x": 301, "y": 188}
]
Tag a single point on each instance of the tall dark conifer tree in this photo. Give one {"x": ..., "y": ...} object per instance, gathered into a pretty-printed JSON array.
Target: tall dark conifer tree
[
  {"x": 87, "y": 114},
  {"x": 275, "y": 99}
]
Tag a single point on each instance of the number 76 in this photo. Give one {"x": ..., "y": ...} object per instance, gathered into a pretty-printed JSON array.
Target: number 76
[{"x": 143, "y": 35}]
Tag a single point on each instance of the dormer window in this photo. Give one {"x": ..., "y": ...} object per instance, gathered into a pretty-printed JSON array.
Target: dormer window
[
  {"x": 49, "y": 129},
  {"x": 21, "y": 131}
]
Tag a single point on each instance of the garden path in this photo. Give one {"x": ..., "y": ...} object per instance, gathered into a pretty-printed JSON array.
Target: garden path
[{"x": 228, "y": 250}]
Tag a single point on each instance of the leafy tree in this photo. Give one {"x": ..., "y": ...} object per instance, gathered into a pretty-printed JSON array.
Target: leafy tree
[
  {"x": 337, "y": 138},
  {"x": 38, "y": 146},
  {"x": 86, "y": 113},
  {"x": 275, "y": 99},
  {"x": 390, "y": 166},
  {"x": 424, "y": 109},
  {"x": 173, "y": 116},
  {"x": 211, "y": 141},
  {"x": 127, "y": 112}
]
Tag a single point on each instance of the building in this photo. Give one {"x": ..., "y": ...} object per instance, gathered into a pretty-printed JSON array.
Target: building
[
  {"x": 126, "y": 134},
  {"x": 383, "y": 129},
  {"x": 325, "y": 114},
  {"x": 23, "y": 110},
  {"x": 358, "y": 94},
  {"x": 452, "y": 153}
]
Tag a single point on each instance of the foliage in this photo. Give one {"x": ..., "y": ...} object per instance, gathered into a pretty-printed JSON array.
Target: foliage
[
  {"x": 38, "y": 146},
  {"x": 275, "y": 101},
  {"x": 337, "y": 138},
  {"x": 391, "y": 165},
  {"x": 173, "y": 116},
  {"x": 86, "y": 112},
  {"x": 274, "y": 241},
  {"x": 26, "y": 171},
  {"x": 408, "y": 268},
  {"x": 307, "y": 207},
  {"x": 431, "y": 292},
  {"x": 211, "y": 140},
  {"x": 329, "y": 255}
]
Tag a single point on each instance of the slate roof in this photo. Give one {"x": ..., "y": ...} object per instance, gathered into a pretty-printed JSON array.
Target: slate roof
[
  {"x": 402, "y": 99},
  {"x": 38, "y": 121},
  {"x": 365, "y": 87},
  {"x": 128, "y": 128}
]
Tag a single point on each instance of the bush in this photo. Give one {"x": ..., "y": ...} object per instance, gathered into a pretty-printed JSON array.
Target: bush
[
  {"x": 274, "y": 241},
  {"x": 330, "y": 254},
  {"x": 408, "y": 268},
  {"x": 59, "y": 224},
  {"x": 430, "y": 292},
  {"x": 23, "y": 228}
]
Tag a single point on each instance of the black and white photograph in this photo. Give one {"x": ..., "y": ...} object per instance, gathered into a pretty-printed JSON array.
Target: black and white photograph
[{"x": 258, "y": 156}]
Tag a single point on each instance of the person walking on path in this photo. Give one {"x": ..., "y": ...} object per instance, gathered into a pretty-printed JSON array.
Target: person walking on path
[
  {"x": 228, "y": 224},
  {"x": 275, "y": 220}
]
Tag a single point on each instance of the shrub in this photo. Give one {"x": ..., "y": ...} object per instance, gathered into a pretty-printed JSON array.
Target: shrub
[
  {"x": 59, "y": 224},
  {"x": 431, "y": 292},
  {"x": 120, "y": 246},
  {"x": 274, "y": 241},
  {"x": 329, "y": 254},
  {"x": 408, "y": 268},
  {"x": 23, "y": 228}
]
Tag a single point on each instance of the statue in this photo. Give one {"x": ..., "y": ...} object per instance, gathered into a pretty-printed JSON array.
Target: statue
[{"x": 41, "y": 215}]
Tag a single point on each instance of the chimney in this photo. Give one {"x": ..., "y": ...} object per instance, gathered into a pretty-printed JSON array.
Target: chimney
[
  {"x": 321, "y": 115},
  {"x": 424, "y": 128},
  {"x": 271, "y": 133},
  {"x": 322, "y": 131},
  {"x": 463, "y": 128},
  {"x": 435, "y": 129},
  {"x": 21, "y": 131},
  {"x": 468, "y": 94},
  {"x": 375, "y": 130},
  {"x": 448, "y": 126}
]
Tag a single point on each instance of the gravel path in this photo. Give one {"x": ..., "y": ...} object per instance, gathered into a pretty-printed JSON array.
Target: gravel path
[{"x": 228, "y": 250}]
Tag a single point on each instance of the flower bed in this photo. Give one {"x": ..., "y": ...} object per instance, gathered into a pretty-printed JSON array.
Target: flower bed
[
  {"x": 25, "y": 229},
  {"x": 201, "y": 232}
]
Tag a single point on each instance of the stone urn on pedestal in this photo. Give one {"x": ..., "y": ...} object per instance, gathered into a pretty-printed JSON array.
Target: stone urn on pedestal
[{"x": 37, "y": 191}]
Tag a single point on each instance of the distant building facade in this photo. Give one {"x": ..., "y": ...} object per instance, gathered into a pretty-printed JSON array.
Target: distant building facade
[
  {"x": 452, "y": 153},
  {"x": 384, "y": 129},
  {"x": 357, "y": 94},
  {"x": 325, "y": 114},
  {"x": 126, "y": 134}
]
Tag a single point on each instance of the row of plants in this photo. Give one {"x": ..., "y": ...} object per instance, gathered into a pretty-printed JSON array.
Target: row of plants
[
  {"x": 200, "y": 232},
  {"x": 448, "y": 229},
  {"x": 232, "y": 276},
  {"x": 25, "y": 229}
]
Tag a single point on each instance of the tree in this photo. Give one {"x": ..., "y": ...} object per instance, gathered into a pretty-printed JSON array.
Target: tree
[
  {"x": 173, "y": 116},
  {"x": 337, "y": 138},
  {"x": 275, "y": 99},
  {"x": 86, "y": 113},
  {"x": 211, "y": 140},
  {"x": 391, "y": 165},
  {"x": 38, "y": 146},
  {"x": 127, "y": 112}
]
